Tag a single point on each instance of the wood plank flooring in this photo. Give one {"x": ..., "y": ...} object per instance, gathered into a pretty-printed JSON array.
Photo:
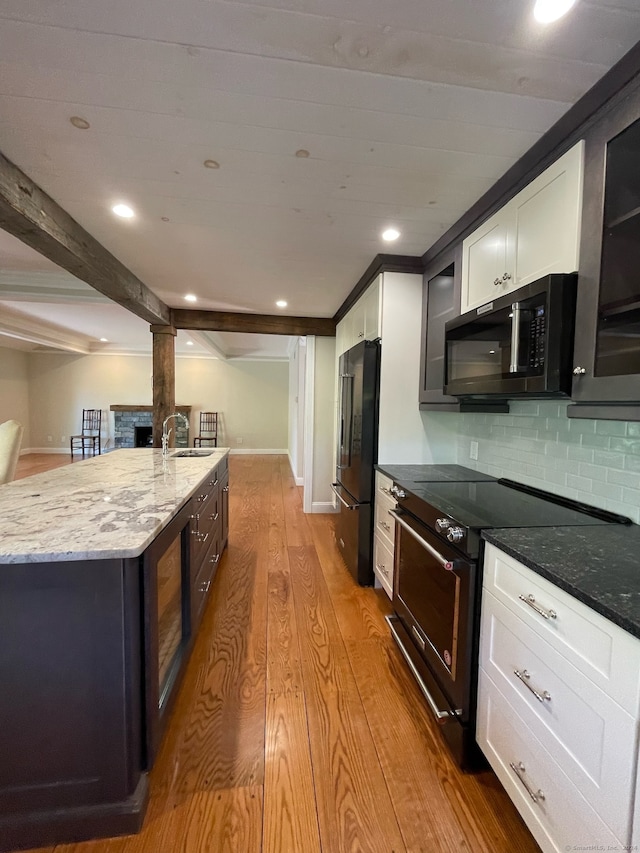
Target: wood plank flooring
[{"x": 298, "y": 728}]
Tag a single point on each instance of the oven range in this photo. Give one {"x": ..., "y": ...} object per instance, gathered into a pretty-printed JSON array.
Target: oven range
[{"x": 437, "y": 583}]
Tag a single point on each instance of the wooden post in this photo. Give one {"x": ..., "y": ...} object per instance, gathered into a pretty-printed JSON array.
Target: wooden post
[{"x": 164, "y": 381}]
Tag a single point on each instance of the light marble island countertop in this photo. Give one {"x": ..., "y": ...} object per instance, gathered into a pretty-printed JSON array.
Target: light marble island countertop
[{"x": 109, "y": 506}]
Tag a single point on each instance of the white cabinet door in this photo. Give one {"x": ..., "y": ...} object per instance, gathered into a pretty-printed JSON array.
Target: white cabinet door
[
  {"x": 546, "y": 216},
  {"x": 485, "y": 258},
  {"x": 536, "y": 233},
  {"x": 371, "y": 306}
]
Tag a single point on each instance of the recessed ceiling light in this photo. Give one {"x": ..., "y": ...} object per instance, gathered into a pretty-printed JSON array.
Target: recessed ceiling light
[
  {"x": 547, "y": 11},
  {"x": 302, "y": 152},
  {"x": 80, "y": 123},
  {"x": 390, "y": 234},
  {"x": 191, "y": 298},
  {"x": 211, "y": 164},
  {"x": 123, "y": 210},
  {"x": 281, "y": 303},
  {"x": 189, "y": 343},
  {"x": 104, "y": 340}
]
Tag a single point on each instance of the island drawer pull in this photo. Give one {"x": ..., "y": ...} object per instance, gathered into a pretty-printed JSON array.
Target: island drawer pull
[
  {"x": 215, "y": 559},
  {"x": 202, "y": 498},
  {"x": 205, "y": 586},
  {"x": 215, "y": 516},
  {"x": 202, "y": 537},
  {"x": 519, "y": 769},
  {"x": 214, "y": 482},
  {"x": 524, "y": 677},
  {"x": 531, "y": 601}
]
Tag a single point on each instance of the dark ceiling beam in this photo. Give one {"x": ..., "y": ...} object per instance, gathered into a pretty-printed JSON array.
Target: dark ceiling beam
[
  {"x": 558, "y": 139},
  {"x": 32, "y": 216},
  {"x": 261, "y": 324},
  {"x": 381, "y": 263}
]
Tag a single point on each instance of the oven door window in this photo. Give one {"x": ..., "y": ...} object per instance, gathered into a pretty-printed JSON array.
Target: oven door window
[{"x": 432, "y": 596}]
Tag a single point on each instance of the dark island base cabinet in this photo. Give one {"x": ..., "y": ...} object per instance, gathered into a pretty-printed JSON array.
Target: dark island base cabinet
[
  {"x": 71, "y": 721},
  {"x": 92, "y": 655}
]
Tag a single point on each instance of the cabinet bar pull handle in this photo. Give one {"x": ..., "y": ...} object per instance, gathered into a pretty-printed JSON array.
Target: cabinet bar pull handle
[
  {"x": 202, "y": 498},
  {"x": 205, "y": 586},
  {"x": 519, "y": 769},
  {"x": 531, "y": 601},
  {"x": 524, "y": 677},
  {"x": 214, "y": 517},
  {"x": 381, "y": 568},
  {"x": 384, "y": 524},
  {"x": 385, "y": 490},
  {"x": 215, "y": 559}
]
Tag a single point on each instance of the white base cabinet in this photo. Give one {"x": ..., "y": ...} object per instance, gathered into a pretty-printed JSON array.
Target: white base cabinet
[
  {"x": 384, "y": 533},
  {"x": 534, "y": 234},
  {"x": 557, "y": 708}
]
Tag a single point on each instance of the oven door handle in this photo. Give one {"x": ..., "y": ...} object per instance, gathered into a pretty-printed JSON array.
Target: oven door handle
[{"x": 446, "y": 564}]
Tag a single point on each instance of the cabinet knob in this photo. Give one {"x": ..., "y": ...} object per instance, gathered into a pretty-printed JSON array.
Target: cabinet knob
[
  {"x": 497, "y": 281},
  {"x": 506, "y": 276},
  {"x": 579, "y": 371}
]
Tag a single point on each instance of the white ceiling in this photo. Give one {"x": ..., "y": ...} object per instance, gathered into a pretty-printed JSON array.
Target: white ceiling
[{"x": 409, "y": 111}]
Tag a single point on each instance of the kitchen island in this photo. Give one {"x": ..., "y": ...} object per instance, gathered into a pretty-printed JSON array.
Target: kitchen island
[{"x": 105, "y": 566}]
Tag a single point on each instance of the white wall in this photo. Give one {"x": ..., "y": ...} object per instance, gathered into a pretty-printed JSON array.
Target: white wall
[
  {"x": 406, "y": 435},
  {"x": 323, "y": 424},
  {"x": 251, "y": 396},
  {"x": 297, "y": 367},
  {"x": 14, "y": 389}
]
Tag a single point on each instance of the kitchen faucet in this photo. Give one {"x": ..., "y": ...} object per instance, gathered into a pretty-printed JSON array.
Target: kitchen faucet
[{"x": 167, "y": 432}]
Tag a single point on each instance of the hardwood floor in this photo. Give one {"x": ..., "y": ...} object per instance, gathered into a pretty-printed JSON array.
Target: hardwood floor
[{"x": 298, "y": 728}]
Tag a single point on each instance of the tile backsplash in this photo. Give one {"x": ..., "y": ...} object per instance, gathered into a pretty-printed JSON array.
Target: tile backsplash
[{"x": 597, "y": 462}]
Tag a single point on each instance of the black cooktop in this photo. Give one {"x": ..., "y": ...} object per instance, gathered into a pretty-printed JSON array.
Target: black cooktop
[
  {"x": 433, "y": 474},
  {"x": 474, "y": 507}
]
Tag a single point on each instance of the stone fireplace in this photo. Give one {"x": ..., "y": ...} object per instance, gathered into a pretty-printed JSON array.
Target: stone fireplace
[{"x": 132, "y": 425}]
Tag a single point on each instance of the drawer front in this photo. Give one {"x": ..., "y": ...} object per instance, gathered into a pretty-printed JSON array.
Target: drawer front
[
  {"x": 561, "y": 819},
  {"x": 592, "y": 738},
  {"x": 383, "y": 564},
  {"x": 383, "y": 485},
  {"x": 206, "y": 512},
  {"x": 385, "y": 525},
  {"x": 204, "y": 579},
  {"x": 609, "y": 656}
]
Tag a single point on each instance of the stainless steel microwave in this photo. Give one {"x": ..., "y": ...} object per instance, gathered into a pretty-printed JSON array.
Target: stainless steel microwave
[{"x": 521, "y": 344}]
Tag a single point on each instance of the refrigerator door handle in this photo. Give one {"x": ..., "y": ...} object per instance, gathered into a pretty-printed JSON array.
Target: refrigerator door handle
[
  {"x": 335, "y": 487},
  {"x": 346, "y": 414}
]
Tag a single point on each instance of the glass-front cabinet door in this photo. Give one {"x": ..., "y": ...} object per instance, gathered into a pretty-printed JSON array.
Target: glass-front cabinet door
[
  {"x": 167, "y": 623},
  {"x": 607, "y": 348}
]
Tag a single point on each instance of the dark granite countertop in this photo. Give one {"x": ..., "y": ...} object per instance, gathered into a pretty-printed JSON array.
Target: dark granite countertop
[{"x": 599, "y": 565}]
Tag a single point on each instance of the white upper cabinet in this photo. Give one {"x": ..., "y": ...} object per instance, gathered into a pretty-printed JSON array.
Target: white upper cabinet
[
  {"x": 362, "y": 322},
  {"x": 536, "y": 233}
]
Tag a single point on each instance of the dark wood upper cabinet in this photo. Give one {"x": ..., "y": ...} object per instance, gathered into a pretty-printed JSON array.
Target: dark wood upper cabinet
[
  {"x": 607, "y": 348},
  {"x": 440, "y": 303}
]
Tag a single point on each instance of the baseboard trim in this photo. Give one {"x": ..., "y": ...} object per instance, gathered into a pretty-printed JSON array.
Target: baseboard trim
[
  {"x": 299, "y": 481},
  {"x": 323, "y": 507},
  {"x": 235, "y": 451}
]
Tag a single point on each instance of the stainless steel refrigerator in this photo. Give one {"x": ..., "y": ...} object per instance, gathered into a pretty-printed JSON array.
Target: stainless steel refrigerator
[{"x": 358, "y": 393}]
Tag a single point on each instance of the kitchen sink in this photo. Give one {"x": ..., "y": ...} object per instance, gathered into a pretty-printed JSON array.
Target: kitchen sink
[{"x": 192, "y": 452}]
